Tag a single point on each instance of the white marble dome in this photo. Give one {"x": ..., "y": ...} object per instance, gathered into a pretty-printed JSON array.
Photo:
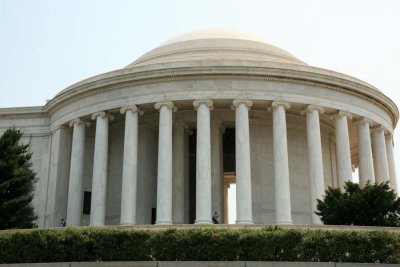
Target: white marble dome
[{"x": 215, "y": 45}]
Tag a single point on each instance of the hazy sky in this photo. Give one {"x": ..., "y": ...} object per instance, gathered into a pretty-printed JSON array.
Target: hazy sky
[{"x": 47, "y": 45}]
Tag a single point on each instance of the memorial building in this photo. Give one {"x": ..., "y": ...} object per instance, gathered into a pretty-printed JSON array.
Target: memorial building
[{"x": 160, "y": 140}]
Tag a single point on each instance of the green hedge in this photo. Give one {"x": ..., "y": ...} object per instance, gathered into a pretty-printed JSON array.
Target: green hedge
[{"x": 200, "y": 244}]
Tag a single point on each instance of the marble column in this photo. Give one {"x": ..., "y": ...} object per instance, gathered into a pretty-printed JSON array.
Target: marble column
[
  {"x": 57, "y": 188},
  {"x": 281, "y": 163},
  {"x": 164, "y": 176},
  {"x": 366, "y": 166},
  {"x": 75, "y": 186},
  {"x": 129, "y": 168},
  {"x": 99, "y": 182},
  {"x": 379, "y": 154},
  {"x": 244, "y": 211},
  {"x": 203, "y": 162},
  {"x": 217, "y": 180},
  {"x": 178, "y": 200},
  {"x": 343, "y": 153},
  {"x": 315, "y": 165},
  {"x": 391, "y": 162}
]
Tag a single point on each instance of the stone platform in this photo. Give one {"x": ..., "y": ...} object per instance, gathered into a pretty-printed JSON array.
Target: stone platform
[{"x": 197, "y": 264}]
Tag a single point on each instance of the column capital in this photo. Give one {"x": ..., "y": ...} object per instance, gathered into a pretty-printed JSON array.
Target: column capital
[
  {"x": 317, "y": 108},
  {"x": 388, "y": 134},
  {"x": 133, "y": 108},
  {"x": 55, "y": 129},
  {"x": 78, "y": 121},
  {"x": 341, "y": 113},
  {"x": 312, "y": 108},
  {"x": 362, "y": 121},
  {"x": 275, "y": 104},
  {"x": 101, "y": 114},
  {"x": 344, "y": 114},
  {"x": 238, "y": 102},
  {"x": 208, "y": 102},
  {"x": 168, "y": 104},
  {"x": 378, "y": 128}
]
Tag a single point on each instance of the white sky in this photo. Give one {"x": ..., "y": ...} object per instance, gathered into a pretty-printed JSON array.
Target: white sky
[{"x": 47, "y": 45}]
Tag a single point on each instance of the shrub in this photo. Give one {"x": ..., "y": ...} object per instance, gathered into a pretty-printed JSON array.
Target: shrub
[
  {"x": 199, "y": 244},
  {"x": 372, "y": 205}
]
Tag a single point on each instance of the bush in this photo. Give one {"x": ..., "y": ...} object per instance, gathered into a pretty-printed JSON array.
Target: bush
[
  {"x": 372, "y": 205},
  {"x": 199, "y": 244}
]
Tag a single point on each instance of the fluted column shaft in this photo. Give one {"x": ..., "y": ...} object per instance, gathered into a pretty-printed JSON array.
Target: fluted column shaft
[
  {"x": 99, "y": 183},
  {"x": 75, "y": 189},
  {"x": 129, "y": 168},
  {"x": 366, "y": 166},
  {"x": 343, "y": 154},
  {"x": 203, "y": 162},
  {"x": 178, "y": 201},
  {"x": 380, "y": 156},
  {"x": 316, "y": 170},
  {"x": 164, "y": 177},
  {"x": 391, "y": 162},
  {"x": 243, "y": 164},
  {"x": 281, "y": 164}
]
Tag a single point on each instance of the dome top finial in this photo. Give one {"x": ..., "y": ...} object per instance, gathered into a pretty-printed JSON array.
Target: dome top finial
[{"x": 217, "y": 33}]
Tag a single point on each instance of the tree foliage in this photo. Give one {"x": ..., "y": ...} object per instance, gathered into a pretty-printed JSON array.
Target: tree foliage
[
  {"x": 372, "y": 205},
  {"x": 17, "y": 181}
]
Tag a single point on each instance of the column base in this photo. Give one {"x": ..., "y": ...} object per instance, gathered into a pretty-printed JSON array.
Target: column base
[
  {"x": 127, "y": 223},
  {"x": 245, "y": 221},
  {"x": 96, "y": 224},
  {"x": 203, "y": 221},
  {"x": 284, "y": 222},
  {"x": 163, "y": 222}
]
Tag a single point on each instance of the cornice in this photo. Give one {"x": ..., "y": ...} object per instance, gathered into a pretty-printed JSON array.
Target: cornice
[
  {"x": 15, "y": 116},
  {"x": 303, "y": 75},
  {"x": 23, "y": 112}
]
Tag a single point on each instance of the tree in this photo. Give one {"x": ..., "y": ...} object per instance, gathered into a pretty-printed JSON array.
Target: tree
[
  {"x": 17, "y": 181},
  {"x": 372, "y": 205}
]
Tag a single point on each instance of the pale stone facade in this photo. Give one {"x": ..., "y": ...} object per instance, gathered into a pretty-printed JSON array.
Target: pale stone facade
[{"x": 150, "y": 143}]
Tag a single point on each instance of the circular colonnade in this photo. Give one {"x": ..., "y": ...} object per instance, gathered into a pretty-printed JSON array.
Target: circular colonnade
[{"x": 151, "y": 141}]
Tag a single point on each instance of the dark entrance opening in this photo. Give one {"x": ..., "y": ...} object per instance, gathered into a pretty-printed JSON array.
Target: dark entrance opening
[
  {"x": 228, "y": 144},
  {"x": 229, "y": 165}
]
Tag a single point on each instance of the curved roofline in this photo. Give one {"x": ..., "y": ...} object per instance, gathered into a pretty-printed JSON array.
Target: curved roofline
[{"x": 270, "y": 70}]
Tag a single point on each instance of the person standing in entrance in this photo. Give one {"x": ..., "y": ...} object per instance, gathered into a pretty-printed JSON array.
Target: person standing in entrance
[{"x": 215, "y": 218}]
